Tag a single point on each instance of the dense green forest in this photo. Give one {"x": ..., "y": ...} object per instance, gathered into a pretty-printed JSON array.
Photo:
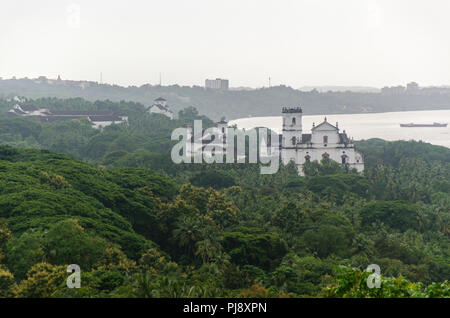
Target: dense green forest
[
  {"x": 231, "y": 104},
  {"x": 138, "y": 225}
]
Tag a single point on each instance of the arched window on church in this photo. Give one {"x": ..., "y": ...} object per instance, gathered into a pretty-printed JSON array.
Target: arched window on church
[
  {"x": 294, "y": 141},
  {"x": 325, "y": 155},
  {"x": 344, "y": 159},
  {"x": 293, "y": 121},
  {"x": 307, "y": 158},
  {"x": 325, "y": 139}
]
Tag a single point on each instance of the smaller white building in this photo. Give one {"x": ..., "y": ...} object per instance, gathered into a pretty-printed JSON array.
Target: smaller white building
[
  {"x": 99, "y": 122},
  {"x": 160, "y": 107}
]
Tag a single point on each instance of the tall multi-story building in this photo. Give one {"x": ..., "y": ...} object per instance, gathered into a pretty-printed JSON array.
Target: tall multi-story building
[
  {"x": 412, "y": 87},
  {"x": 218, "y": 83}
]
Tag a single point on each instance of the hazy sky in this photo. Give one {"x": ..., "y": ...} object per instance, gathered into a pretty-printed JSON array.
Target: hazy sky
[{"x": 295, "y": 42}]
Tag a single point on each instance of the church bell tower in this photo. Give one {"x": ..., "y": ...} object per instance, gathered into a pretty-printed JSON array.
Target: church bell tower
[
  {"x": 292, "y": 133},
  {"x": 292, "y": 126}
]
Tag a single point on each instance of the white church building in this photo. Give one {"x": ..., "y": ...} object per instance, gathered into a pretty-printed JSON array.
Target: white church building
[{"x": 325, "y": 140}]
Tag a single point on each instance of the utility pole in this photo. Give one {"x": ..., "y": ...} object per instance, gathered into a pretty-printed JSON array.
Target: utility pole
[
  {"x": 160, "y": 79},
  {"x": 269, "y": 81}
]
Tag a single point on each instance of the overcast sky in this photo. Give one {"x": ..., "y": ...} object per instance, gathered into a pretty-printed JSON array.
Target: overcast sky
[{"x": 295, "y": 42}]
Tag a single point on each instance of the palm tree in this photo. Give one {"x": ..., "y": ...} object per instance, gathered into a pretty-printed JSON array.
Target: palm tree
[
  {"x": 188, "y": 233},
  {"x": 206, "y": 250}
]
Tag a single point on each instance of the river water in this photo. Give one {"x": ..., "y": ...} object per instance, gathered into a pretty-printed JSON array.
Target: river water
[{"x": 374, "y": 125}]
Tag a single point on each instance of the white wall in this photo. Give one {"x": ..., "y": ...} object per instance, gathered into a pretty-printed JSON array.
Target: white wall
[
  {"x": 291, "y": 129},
  {"x": 325, "y": 130},
  {"x": 101, "y": 124},
  {"x": 157, "y": 110},
  {"x": 317, "y": 147},
  {"x": 354, "y": 158}
]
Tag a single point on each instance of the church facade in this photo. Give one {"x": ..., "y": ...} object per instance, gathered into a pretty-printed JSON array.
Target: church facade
[{"x": 325, "y": 140}]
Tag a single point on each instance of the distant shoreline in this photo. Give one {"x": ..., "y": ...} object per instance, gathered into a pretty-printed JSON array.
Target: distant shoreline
[
  {"x": 370, "y": 125},
  {"x": 235, "y": 104},
  {"x": 331, "y": 114}
]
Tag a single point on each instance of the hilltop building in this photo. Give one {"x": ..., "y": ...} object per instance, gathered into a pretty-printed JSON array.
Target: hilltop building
[
  {"x": 218, "y": 83},
  {"x": 160, "y": 107},
  {"x": 324, "y": 141}
]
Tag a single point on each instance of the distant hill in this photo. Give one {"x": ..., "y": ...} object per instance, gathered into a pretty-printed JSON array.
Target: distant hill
[
  {"x": 356, "y": 89},
  {"x": 232, "y": 104}
]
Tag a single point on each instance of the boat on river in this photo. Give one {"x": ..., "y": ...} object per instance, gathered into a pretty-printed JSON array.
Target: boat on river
[{"x": 424, "y": 125}]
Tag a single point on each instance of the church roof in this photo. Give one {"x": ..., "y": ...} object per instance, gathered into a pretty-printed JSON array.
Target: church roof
[
  {"x": 11, "y": 113},
  {"x": 325, "y": 122},
  {"x": 51, "y": 119},
  {"x": 28, "y": 108},
  {"x": 86, "y": 113},
  {"x": 54, "y": 115},
  {"x": 161, "y": 107}
]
